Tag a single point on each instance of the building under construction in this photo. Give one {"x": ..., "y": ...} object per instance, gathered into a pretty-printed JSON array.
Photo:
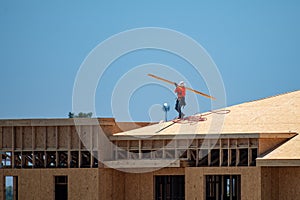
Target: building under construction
[{"x": 255, "y": 156}]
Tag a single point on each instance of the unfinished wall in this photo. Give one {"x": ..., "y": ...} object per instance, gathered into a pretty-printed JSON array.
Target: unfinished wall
[
  {"x": 269, "y": 183},
  {"x": 111, "y": 184},
  {"x": 267, "y": 144},
  {"x": 38, "y": 184},
  {"x": 280, "y": 183},
  {"x": 289, "y": 187},
  {"x": 141, "y": 185},
  {"x": 117, "y": 185},
  {"x": 195, "y": 181}
]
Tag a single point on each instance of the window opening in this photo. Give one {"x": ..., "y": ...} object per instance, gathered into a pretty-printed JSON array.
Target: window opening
[
  {"x": 27, "y": 159},
  {"x": 61, "y": 187},
  {"x": 95, "y": 159},
  {"x": 215, "y": 157},
  {"x": 40, "y": 158},
  {"x": 11, "y": 188},
  {"x": 243, "y": 157},
  {"x": 6, "y": 159},
  {"x": 74, "y": 159},
  {"x": 224, "y": 157},
  {"x": 51, "y": 159},
  {"x": 203, "y": 157},
  {"x": 85, "y": 159},
  {"x": 169, "y": 187},
  {"x": 223, "y": 187},
  {"x": 233, "y": 157},
  {"x": 253, "y": 157},
  {"x": 18, "y": 160},
  {"x": 62, "y": 159}
]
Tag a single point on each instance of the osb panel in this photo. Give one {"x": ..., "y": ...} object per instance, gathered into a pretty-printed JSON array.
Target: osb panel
[
  {"x": 111, "y": 184},
  {"x": 40, "y": 135},
  {"x": 126, "y": 126},
  {"x": 251, "y": 184},
  {"x": 260, "y": 116},
  {"x": 270, "y": 183},
  {"x": 83, "y": 184},
  {"x": 7, "y": 137},
  {"x": 158, "y": 144},
  {"x": 74, "y": 138},
  {"x": 105, "y": 184},
  {"x": 51, "y": 137},
  {"x": 289, "y": 187},
  {"x": 105, "y": 147},
  {"x": 122, "y": 143},
  {"x": 134, "y": 144},
  {"x": 118, "y": 183},
  {"x": 170, "y": 171},
  {"x": 29, "y": 184},
  {"x": 63, "y": 137},
  {"x": 146, "y": 144},
  {"x": 18, "y": 137},
  {"x": 132, "y": 186},
  {"x": 108, "y": 130},
  {"x": 85, "y": 137},
  {"x": 290, "y": 150},
  {"x": 47, "y": 186},
  {"x": 250, "y": 181},
  {"x": 11, "y": 172},
  {"x": 95, "y": 137},
  {"x": 194, "y": 186},
  {"x": 146, "y": 186},
  {"x": 266, "y": 145},
  {"x": 27, "y": 137},
  {"x": 1, "y": 183},
  {"x": 170, "y": 144}
]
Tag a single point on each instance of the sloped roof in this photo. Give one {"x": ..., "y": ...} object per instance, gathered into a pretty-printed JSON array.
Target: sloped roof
[
  {"x": 269, "y": 116},
  {"x": 277, "y": 114},
  {"x": 288, "y": 154}
]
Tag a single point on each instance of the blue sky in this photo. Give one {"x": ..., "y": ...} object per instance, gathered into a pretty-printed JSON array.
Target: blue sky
[{"x": 255, "y": 45}]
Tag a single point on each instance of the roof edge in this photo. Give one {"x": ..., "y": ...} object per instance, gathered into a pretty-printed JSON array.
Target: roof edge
[
  {"x": 273, "y": 135},
  {"x": 263, "y": 162}
]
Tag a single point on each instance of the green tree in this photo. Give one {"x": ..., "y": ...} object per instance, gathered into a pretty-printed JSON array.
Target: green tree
[
  {"x": 80, "y": 115},
  {"x": 9, "y": 193}
]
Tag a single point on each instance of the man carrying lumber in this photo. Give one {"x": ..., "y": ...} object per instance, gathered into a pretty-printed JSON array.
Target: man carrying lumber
[{"x": 180, "y": 101}]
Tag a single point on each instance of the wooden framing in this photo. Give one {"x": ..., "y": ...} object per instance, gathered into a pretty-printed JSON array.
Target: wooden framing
[
  {"x": 190, "y": 151},
  {"x": 42, "y": 144}
]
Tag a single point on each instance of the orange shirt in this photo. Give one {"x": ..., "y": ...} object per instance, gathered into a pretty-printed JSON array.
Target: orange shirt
[{"x": 180, "y": 91}]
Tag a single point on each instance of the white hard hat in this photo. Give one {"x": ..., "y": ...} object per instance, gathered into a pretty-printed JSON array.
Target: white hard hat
[{"x": 181, "y": 83}]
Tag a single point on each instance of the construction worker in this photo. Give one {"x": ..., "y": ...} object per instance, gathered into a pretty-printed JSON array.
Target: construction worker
[{"x": 180, "y": 101}]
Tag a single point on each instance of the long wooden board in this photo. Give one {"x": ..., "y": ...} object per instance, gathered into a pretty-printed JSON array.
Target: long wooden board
[{"x": 190, "y": 89}]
